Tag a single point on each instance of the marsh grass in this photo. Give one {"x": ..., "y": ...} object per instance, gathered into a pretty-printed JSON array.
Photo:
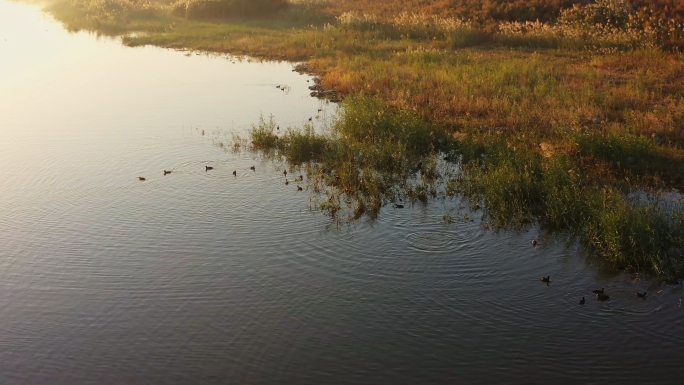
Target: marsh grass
[
  {"x": 369, "y": 158},
  {"x": 375, "y": 155},
  {"x": 633, "y": 229}
]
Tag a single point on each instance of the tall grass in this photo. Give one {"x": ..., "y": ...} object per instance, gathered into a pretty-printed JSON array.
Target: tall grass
[
  {"x": 375, "y": 155},
  {"x": 368, "y": 158},
  {"x": 634, "y": 229}
]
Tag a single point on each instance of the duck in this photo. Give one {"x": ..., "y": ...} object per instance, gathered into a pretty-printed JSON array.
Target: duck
[
  {"x": 141, "y": 178},
  {"x": 534, "y": 242},
  {"x": 235, "y": 172},
  {"x": 301, "y": 177},
  {"x": 253, "y": 168},
  {"x": 285, "y": 172},
  {"x": 278, "y": 128},
  {"x": 320, "y": 109},
  {"x": 582, "y": 301},
  {"x": 207, "y": 168},
  {"x": 641, "y": 295},
  {"x": 545, "y": 279},
  {"x": 277, "y": 86},
  {"x": 602, "y": 297},
  {"x": 598, "y": 291},
  {"x": 310, "y": 119},
  {"x": 299, "y": 188},
  {"x": 167, "y": 172},
  {"x": 398, "y": 206},
  {"x": 287, "y": 182}
]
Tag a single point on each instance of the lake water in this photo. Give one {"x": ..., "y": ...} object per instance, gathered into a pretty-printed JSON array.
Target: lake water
[{"x": 203, "y": 277}]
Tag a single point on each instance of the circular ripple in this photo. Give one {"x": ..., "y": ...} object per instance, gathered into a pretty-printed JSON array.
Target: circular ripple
[{"x": 432, "y": 241}]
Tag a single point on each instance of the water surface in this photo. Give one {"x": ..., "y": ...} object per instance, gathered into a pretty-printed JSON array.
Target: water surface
[{"x": 203, "y": 277}]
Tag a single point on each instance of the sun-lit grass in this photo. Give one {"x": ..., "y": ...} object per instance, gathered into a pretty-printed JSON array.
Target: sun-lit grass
[{"x": 376, "y": 155}]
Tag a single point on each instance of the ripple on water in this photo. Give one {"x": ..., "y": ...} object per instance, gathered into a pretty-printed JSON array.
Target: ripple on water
[{"x": 434, "y": 240}]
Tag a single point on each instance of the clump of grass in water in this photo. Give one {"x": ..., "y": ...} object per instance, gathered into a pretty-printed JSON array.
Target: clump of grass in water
[
  {"x": 633, "y": 229},
  {"x": 366, "y": 160}
]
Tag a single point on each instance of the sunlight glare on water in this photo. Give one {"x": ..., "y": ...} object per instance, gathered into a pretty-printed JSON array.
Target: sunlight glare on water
[{"x": 204, "y": 277}]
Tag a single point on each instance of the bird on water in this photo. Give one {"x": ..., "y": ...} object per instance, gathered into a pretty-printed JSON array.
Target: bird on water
[
  {"x": 299, "y": 188},
  {"x": 602, "y": 297},
  {"x": 545, "y": 279},
  {"x": 141, "y": 178},
  {"x": 285, "y": 172},
  {"x": 235, "y": 172},
  {"x": 640, "y": 295},
  {"x": 253, "y": 168},
  {"x": 207, "y": 168},
  {"x": 534, "y": 242},
  {"x": 167, "y": 172},
  {"x": 582, "y": 301},
  {"x": 598, "y": 291}
]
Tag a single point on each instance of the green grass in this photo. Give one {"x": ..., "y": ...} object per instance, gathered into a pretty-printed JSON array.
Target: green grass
[{"x": 375, "y": 155}]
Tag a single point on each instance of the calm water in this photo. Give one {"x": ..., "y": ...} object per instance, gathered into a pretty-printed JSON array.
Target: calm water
[{"x": 201, "y": 277}]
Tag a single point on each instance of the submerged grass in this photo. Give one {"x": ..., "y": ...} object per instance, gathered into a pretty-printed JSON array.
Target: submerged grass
[{"x": 576, "y": 123}]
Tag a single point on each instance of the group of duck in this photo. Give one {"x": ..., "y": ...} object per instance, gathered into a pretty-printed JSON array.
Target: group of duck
[
  {"x": 253, "y": 168},
  {"x": 599, "y": 293}
]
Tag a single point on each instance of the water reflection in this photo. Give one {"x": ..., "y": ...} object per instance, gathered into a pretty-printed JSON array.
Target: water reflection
[{"x": 207, "y": 277}]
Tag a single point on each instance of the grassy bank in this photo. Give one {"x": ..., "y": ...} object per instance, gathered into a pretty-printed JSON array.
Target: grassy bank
[
  {"x": 575, "y": 122},
  {"x": 377, "y": 156}
]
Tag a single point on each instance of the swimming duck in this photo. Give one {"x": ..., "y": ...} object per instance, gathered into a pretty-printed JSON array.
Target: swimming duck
[
  {"x": 278, "y": 128},
  {"x": 602, "y": 297},
  {"x": 167, "y": 172},
  {"x": 207, "y": 168},
  {"x": 534, "y": 242},
  {"x": 299, "y": 188},
  {"x": 310, "y": 119},
  {"x": 287, "y": 182},
  {"x": 277, "y": 86},
  {"x": 598, "y": 291},
  {"x": 141, "y": 178},
  {"x": 582, "y": 301},
  {"x": 398, "y": 206},
  {"x": 301, "y": 177},
  {"x": 235, "y": 172},
  {"x": 320, "y": 109},
  {"x": 253, "y": 168},
  {"x": 545, "y": 279},
  {"x": 641, "y": 295},
  {"x": 285, "y": 172}
]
